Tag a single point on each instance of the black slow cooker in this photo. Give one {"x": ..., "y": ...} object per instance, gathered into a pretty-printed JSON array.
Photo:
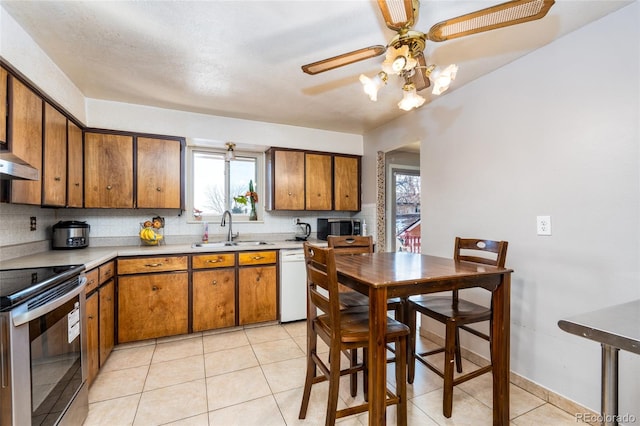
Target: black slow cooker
[{"x": 70, "y": 234}]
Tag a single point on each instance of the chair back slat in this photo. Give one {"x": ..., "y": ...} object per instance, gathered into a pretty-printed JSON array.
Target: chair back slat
[
  {"x": 487, "y": 252},
  {"x": 322, "y": 284},
  {"x": 351, "y": 244}
]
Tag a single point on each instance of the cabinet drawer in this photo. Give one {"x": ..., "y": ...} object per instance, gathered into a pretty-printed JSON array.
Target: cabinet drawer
[
  {"x": 107, "y": 271},
  {"x": 92, "y": 280},
  {"x": 145, "y": 265},
  {"x": 213, "y": 260},
  {"x": 256, "y": 257}
]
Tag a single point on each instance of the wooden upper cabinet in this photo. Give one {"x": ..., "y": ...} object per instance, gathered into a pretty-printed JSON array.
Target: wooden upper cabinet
[
  {"x": 25, "y": 122},
  {"x": 75, "y": 183},
  {"x": 159, "y": 173},
  {"x": 54, "y": 171},
  {"x": 4, "y": 88},
  {"x": 108, "y": 165},
  {"x": 318, "y": 183},
  {"x": 346, "y": 190},
  {"x": 288, "y": 180}
]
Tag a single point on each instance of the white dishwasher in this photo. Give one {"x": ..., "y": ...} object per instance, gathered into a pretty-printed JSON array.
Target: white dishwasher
[{"x": 293, "y": 285}]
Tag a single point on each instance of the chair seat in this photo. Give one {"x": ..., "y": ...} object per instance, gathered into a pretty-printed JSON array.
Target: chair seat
[
  {"x": 354, "y": 326},
  {"x": 440, "y": 308}
]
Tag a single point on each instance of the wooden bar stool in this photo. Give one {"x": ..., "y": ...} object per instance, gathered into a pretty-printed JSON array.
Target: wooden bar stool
[
  {"x": 343, "y": 330},
  {"x": 455, "y": 314}
]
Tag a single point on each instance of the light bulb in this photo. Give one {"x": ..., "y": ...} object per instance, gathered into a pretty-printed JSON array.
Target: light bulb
[{"x": 372, "y": 85}]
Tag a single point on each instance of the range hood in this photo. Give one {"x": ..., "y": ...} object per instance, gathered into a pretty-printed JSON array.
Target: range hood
[{"x": 11, "y": 167}]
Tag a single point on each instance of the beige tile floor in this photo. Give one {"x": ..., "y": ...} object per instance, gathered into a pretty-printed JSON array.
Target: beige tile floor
[{"x": 255, "y": 376}]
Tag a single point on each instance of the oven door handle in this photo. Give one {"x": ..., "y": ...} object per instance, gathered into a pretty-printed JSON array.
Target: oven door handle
[{"x": 25, "y": 317}]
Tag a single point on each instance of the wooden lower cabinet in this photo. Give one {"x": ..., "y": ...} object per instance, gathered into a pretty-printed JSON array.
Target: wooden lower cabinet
[
  {"x": 93, "y": 352},
  {"x": 152, "y": 305},
  {"x": 257, "y": 294},
  {"x": 214, "y": 298},
  {"x": 106, "y": 293}
]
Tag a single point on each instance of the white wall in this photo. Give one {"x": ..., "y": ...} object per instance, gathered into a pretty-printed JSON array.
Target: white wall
[{"x": 553, "y": 133}]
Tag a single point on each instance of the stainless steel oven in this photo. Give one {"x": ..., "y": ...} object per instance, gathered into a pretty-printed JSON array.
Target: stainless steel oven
[{"x": 43, "y": 346}]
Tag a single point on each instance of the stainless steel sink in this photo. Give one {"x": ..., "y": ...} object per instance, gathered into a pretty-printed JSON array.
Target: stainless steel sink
[{"x": 219, "y": 244}]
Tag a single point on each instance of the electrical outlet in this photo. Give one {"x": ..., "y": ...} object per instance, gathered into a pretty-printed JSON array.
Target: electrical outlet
[
  {"x": 543, "y": 225},
  {"x": 32, "y": 223}
]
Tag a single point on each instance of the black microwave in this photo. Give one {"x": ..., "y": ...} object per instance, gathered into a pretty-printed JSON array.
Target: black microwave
[{"x": 328, "y": 227}]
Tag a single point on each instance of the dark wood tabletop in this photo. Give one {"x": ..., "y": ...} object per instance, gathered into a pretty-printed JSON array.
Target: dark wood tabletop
[{"x": 385, "y": 275}]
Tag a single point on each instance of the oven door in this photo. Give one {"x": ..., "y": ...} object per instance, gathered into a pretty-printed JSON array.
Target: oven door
[{"x": 48, "y": 360}]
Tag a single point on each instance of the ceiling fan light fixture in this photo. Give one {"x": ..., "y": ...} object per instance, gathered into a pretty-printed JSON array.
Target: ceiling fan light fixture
[
  {"x": 372, "y": 85},
  {"x": 442, "y": 78},
  {"x": 398, "y": 60},
  {"x": 230, "y": 154},
  {"x": 411, "y": 99}
]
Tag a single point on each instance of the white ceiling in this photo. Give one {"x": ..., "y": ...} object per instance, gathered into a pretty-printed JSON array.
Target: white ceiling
[{"x": 242, "y": 58}]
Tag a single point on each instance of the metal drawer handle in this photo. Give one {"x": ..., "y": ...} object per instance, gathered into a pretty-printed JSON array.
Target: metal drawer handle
[
  {"x": 108, "y": 272},
  {"x": 91, "y": 282},
  {"x": 153, "y": 265},
  {"x": 257, "y": 257},
  {"x": 214, "y": 260}
]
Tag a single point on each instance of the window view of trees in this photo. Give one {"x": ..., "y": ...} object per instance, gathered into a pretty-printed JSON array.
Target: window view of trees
[
  {"x": 407, "y": 211},
  {"x": 216, "y": 182}
]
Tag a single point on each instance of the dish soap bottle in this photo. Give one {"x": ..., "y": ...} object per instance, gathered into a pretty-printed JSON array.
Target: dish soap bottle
[
  {"x": 205, "y": 234},
  {"x": 364, "y": 228}
]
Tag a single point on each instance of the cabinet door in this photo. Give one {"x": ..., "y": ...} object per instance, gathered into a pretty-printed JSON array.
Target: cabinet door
[
  {"x": 257, "y": 294},
  {"x": 214, "y": 299},
  {"x": 25, "y": 115},
  {"x": 91, "y": 312},
  {"x": 152, "y": 305},
  {"x": 159, "y": 173},
  {"x": 4, "y": 88},
  {"x": 107, "y": 320},
  {"x": 289, "y": 180},
  {"x": 318, "y": 173},
  {"x": 347, "y": 183},
  {"x": 54, "y": 168},
  {"x": 75, "y": 187},
  {"x": 108, "y": 165}
]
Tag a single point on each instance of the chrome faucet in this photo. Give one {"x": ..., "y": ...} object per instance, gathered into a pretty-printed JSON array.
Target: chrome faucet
[{"x": 230, "y": 235}]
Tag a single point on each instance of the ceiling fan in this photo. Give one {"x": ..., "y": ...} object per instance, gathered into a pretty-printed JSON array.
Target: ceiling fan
[{"x": 405, "y": 51}]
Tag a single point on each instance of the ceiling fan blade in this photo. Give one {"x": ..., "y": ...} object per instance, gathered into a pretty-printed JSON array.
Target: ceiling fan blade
[
  {"x": 399, "y": 14},
  {"x": 344, "y": 59},
  {"x": 502, "y": 15},
  {"x": 419, "y": 79}
]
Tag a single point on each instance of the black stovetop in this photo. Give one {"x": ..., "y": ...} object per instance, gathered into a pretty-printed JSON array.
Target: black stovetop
[{"x": 19, "y": 285}]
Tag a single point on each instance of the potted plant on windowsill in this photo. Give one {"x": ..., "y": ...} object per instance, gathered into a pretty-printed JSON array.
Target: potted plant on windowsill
[{"x": 249, "y": 198}]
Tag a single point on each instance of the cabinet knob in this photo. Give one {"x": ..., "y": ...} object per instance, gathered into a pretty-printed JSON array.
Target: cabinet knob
[
  {"x": 158, "y": 189},
  {"x": 290, "y": 194},
  {"x": 90, "y": 317},
  {"x": 154, "y": 288},
  {"x": 57, "y": 178},
  {"x": 214, "y": 282},
  {"x": 346, "y": 196},
  {"x": 108, "y": 187},
  {"x": 77, "y": 184}
]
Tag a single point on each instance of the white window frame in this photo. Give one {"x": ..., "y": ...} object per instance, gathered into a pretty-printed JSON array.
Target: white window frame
[{"x": 259, "y": 185}]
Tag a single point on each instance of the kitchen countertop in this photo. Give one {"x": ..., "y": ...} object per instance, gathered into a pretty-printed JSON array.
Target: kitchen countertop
[{"x": 92, "y": 257}]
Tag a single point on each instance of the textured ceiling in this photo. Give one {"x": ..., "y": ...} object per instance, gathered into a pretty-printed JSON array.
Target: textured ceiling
[{"x": 242, "y": 58}]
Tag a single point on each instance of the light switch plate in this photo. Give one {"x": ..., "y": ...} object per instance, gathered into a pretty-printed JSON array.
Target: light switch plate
[{"x": 543, "y": 225}]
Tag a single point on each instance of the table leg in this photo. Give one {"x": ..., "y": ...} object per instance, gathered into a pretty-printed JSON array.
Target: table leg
[
  {"x": 377, "y": 356},
  {"x": 609, "y": 401},
  {"x": 501, "y": 305}
]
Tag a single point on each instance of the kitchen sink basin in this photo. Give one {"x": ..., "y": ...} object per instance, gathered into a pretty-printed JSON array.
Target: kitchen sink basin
[{"x": 216, "y": 244}]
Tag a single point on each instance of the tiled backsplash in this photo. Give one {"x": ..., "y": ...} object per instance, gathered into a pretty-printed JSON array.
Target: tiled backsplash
[{"x": 120, "y": 226}]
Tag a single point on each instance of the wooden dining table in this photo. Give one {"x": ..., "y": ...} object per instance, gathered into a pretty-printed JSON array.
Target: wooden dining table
[{"x": 402, "y": 274}]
